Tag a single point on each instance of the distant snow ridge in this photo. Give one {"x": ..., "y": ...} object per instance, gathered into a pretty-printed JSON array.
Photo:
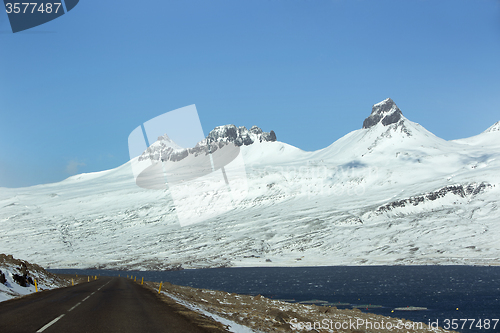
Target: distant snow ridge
[
  {"x": 168, "y": 150},
  {"x": 494, "y": 128},
  {"x": 385, "y": 112}
]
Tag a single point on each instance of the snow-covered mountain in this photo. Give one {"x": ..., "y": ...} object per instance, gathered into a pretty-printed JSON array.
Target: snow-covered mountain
[
  {"x": 388, "y": 193},
  {"x": 168, "y": 150}
]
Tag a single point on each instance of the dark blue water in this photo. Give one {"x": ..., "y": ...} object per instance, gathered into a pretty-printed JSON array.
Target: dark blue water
[{"x": 474, "y": 291}]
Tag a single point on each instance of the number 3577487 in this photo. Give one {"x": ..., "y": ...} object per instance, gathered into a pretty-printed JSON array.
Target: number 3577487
[{"x": 32, "y": 7}]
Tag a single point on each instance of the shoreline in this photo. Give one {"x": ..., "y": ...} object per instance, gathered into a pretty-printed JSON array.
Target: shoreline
[
  {"x": 262, "y": 314},
  {"x": 127, "y": 269}
]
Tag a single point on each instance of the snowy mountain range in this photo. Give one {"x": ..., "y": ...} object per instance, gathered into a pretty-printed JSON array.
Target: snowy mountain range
[
  {"x": 168, "y": 150},
  {"x": 388, "y": 193}
]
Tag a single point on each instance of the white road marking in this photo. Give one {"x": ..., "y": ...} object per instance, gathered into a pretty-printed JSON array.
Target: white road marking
[
  {"x": 103, "y": 285},
  {"x": 75, "y": 306},
  {"x": 55, "y": 320},
  {"x": 50, "y": 324}
]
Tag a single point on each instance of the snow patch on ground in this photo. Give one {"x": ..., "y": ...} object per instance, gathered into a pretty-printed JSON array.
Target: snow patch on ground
[{"x": 231, "y": 325}]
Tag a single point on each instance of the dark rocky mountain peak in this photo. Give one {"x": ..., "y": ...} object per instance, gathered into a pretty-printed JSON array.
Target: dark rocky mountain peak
[
  {"x": 385, "y": 112},
  {"x": 167, "y": 150},
  {"x": 240, "y": 135}
]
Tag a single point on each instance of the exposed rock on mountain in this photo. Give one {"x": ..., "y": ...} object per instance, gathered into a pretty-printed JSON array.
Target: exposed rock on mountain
[
  {"x": 458, "y": 190},
  {"x": 385, "y": 112},
  {"x": 168, "y": 150},
  {"x": 240, "y": 135}
]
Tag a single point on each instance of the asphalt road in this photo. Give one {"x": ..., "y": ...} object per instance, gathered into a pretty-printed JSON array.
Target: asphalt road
[{"x": 104, "y": 305}]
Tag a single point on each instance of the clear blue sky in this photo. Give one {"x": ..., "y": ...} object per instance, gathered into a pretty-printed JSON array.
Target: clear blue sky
[{"x": 73, "y": 89}]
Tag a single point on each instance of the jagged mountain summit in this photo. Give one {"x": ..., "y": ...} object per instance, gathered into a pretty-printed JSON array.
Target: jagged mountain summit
[
  {"x": 388, "y": 193},
  {"x": 167, "y": 150},
  {"x": 240, "y": 135},
  {"x": 385, "y": 112}
]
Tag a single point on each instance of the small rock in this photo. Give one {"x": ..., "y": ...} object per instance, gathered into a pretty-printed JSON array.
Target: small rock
[
  {"x": 24, "y": 268},
  {"x": 20, "y": 280},
  {"x": 328, "y": 309}
]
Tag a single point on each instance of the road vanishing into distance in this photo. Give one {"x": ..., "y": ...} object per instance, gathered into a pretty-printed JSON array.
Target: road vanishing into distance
[{"x": 103, "y": 305}]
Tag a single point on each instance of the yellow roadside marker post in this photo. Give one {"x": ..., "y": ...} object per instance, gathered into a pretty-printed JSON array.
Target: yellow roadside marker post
[
  {"x": 72, "y": 282},
  {"x": 142, "y": 282},
  {"x": 95, "y": 277},
  {"x": 160, "y": 287},
  {"x": 135, "y": 279},
  {"x": 36, "y": 286},
  {"x": 88, "y": 278}
]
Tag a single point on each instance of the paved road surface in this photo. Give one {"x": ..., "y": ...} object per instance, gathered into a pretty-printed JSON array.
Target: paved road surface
[{"x": 104, "y": 305}]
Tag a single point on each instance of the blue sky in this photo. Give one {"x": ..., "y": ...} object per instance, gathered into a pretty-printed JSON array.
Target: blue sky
[{"x": 73, "y": 89}]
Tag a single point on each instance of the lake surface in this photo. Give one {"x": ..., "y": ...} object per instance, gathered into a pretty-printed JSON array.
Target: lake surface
[{"x": 474, "y": 291}]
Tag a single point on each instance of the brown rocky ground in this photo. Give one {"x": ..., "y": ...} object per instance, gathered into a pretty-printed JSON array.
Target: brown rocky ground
[{"x": 262, "y": 314}]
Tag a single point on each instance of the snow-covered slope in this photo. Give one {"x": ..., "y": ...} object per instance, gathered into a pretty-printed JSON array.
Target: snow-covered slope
[
  {"x": 485, "y": 140},
  {"x": 389, "y": 193},
  {"x": 18, "y": 278}
]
